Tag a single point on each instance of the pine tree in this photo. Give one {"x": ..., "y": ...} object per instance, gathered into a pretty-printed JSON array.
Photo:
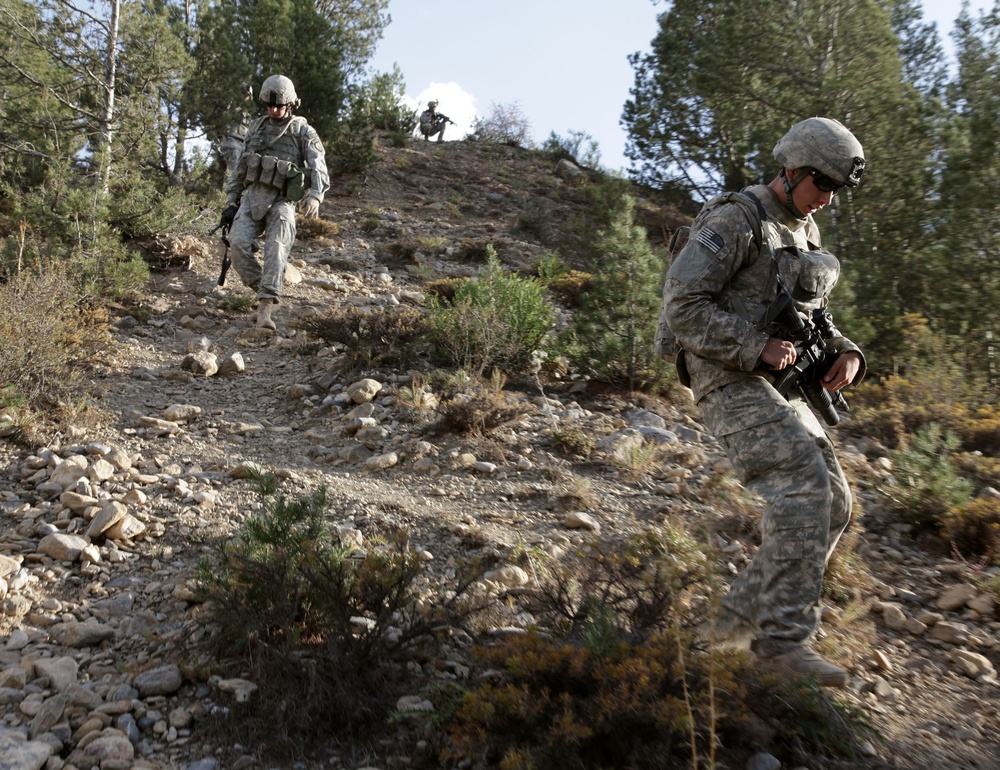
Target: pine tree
[{"x": 614, "y": 330}]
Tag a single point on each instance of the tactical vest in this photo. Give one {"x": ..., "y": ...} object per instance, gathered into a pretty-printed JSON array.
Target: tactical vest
[
  {"x": 771, "y": 268},
  {"x": 273, "y": 156}
]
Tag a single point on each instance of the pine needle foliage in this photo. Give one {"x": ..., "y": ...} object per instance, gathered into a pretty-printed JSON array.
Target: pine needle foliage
[
  {"x": 323, "y": 628},
  {"x": 497, "y": 320},
  {"x": 928, "y": 484},
  {"x": 615, "y": 327}
]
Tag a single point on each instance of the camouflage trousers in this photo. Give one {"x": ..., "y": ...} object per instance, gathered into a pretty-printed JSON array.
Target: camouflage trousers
[
  {"x": 429, "y": 130},
  {"x": 781, "y": 452},
  {"x": 278, "y": 226}
]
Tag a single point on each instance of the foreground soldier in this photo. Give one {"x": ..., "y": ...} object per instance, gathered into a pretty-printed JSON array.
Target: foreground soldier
[
  {"x": 282, "y": 161},
  {"x": 716, "y": 301}
]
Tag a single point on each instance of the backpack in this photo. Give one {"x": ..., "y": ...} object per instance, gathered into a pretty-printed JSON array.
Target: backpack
[{"x": 666, "y": 343}]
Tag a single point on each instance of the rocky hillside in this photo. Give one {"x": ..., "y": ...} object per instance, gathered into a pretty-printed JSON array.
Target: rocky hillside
[{"x": 101, "y": 529}]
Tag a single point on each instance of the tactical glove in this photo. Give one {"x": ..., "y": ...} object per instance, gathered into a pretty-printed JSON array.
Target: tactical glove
[
  {"x": 228, "y": 215},
  {"x": 310, "y": 207}
]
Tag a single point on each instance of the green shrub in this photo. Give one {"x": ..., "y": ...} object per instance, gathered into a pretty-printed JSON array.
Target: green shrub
[
  {"x": 535, "y": 220},
  {"x": 932, "y": 386},
  {"x": 389, "y": 337},
  {"x": 284, "y": 597},
  {"x": 614, "y": 330},
  {"x": 571, "y": 286},
  {"x": 382, "y": 97},
  {"x": 927, "y": 485},
  {"x": 494, "y": 321},
  {"x": 240, "y": 301},
  {"x": 352, "y": 148},
  {"x": 579, "y": 147}
]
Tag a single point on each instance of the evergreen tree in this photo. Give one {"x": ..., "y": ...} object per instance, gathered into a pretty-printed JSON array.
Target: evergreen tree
[
  {"x": 963, "y": 283},
  {"x": 242, "y": 42},
  {"x": 363, "y": 22},
  {"x": 615, "y": 328}
]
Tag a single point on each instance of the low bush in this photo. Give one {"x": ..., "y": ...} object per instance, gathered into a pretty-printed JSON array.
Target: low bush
[
  {"x": 324, "y": 629},
  {"x": 570, "y": 286},
  {"x": 609, "y": 679},
  {"x": 579, "y": 147},
  {"x": 506, "y": 124},
  {"x": 390, "y": 337},
  {"x": 494, "y": 321},
  {"x": 48, "y": 337},
  {"x": 927, "y": 483},
  {"x": 973, "y": 530},
  {"x": 473, "y": 409}
]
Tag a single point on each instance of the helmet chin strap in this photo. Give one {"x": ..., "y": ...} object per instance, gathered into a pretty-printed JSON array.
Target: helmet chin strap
[{"x": 789, "y": 185}]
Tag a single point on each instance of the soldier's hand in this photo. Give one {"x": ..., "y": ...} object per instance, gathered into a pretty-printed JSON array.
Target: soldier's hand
[
  {"x": 228, "y": 215},
  {"x": 842, "y": 372},
  {"x": 310, "y": 207},
  {"x": 778, "y": 353}
]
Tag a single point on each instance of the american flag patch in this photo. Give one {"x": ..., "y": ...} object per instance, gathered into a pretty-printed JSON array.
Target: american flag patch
[{"x": 710, "y": 239}]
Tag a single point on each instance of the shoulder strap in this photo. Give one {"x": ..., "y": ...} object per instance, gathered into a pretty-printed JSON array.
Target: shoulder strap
[{"x": 757, "y": 222}]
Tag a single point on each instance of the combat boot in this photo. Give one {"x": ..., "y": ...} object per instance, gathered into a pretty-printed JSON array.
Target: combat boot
[
  {"x": 264, "y": 314},
  {"x": 805, "y": 661}
]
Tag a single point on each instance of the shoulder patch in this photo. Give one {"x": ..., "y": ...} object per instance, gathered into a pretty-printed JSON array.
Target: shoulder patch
[{"x": 710, "y": 239}]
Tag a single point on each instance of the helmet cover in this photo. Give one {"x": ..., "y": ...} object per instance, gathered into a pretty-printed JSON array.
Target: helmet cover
[{"x": 825, "y": 145}]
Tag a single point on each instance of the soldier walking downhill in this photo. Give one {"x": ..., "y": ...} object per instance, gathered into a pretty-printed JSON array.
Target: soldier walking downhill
[
  {"x": 282, "y": 162},
  {"x": 716, "y": 299}
]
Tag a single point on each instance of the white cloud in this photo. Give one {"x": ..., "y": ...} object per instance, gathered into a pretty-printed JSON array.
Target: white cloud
[{"x": 453, "y": 101}]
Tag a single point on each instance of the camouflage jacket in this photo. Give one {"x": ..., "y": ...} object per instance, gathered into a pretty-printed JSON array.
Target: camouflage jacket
[
  {"x": 294, "y": 141},
  {"x": 721, "y": 283}
]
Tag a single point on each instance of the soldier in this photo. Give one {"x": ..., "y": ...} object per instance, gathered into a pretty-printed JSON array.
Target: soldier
[
  {"x": 716, "y": 299},
  {"x": 433, "y": 122},
  {"x": 282, "y": 161},
  {"x": 235, "y": 132}
]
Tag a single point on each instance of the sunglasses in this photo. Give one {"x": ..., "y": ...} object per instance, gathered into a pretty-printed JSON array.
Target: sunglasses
[{"x": 824, "y": 183}]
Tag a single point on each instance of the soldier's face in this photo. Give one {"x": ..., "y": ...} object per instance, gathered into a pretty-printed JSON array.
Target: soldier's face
[
  {"x": 808, "y": 198},
  {"x": 277, "y": 111}
]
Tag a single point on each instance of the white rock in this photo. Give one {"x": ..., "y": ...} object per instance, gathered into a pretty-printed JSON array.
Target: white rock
[{"x": 581, "y": 520}]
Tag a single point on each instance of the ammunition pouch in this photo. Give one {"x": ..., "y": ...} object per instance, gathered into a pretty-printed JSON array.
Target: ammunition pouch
[{"x": 282, "y": 175}]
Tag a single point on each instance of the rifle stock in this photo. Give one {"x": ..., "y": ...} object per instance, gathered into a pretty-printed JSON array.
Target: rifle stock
[{"x": 226, "y": 260}]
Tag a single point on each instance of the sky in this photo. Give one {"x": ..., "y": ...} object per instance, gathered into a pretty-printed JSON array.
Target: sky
[{"x": 562, "y": 63}]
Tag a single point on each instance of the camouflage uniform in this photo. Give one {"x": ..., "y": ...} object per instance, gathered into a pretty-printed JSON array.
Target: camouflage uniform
[
  {"x": 432, "y": 123},
  {"x": 716, "y": 288},
  {"x": 231, "y": 144},
  {"x": 263, "y": 208}
]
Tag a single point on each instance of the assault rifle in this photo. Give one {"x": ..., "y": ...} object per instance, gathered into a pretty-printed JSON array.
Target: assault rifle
[
  {"x": 812, "y": 361},
  {"x": 439, "y": 118},
  {"x": 226, "y": 261}
]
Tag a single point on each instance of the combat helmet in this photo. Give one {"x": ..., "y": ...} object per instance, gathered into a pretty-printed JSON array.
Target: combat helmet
[
  {"x": 432, "y": 103},
  {"x": 822, "y": 144},
  {"x": 278, "y": 89}
]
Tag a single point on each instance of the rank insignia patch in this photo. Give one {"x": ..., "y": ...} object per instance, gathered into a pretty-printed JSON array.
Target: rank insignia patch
[{"x": 710, "y": 239}]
